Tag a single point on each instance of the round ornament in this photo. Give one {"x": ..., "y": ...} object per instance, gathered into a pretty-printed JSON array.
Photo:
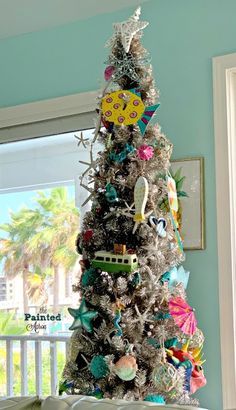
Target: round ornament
[
  {"x": 165, "y": 377},
  {"x": 87, "y": 235},
  {"x": 155, "y": 398},
  {"x": 126, "y": 368},
  {"x": 145, "y": 152},
  {"x": 99, "y": 367},
  {"x": 109, "y": 70}
]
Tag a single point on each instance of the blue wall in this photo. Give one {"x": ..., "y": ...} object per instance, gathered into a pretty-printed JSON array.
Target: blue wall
[{"x": 182, "y": 38}]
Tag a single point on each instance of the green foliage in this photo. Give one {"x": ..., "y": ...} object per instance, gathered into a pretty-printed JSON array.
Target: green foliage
[
  {"x": 179, "y": 180},
  {"x": 30, "y": 370},
  {"x": 11, "y": 326},
  {"x": 40, "y": 239}
]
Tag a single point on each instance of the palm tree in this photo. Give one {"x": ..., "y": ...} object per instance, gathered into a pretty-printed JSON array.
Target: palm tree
[
  {"x": 40, "y": 242},
  {"x": 14, "y": 249},
  {"x": 58, "y": 238}
]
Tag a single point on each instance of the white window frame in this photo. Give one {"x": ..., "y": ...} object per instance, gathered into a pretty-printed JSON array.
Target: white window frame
[
  {"x": 48, "y": 117},
  {"x": 224, "y": 84},
  {"x": 41, "y": 118}
]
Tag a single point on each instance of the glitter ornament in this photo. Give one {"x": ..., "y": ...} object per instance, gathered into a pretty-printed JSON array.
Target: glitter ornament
[
  {"x": 108, "y": 72},
  {"x": 126, "y": 368},
  {"x": 111, "y": 194},
  {"x": 145, "y": 152},
  {"x": 99, "y": 367},
  {"x": 165, "y": 377}
]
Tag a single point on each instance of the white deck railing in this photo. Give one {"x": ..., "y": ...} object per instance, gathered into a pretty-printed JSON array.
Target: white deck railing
[{"x": 9, "y": 340}]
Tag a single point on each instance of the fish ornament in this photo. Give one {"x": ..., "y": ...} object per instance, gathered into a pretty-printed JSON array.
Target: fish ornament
[
  {"x": 125, "y": 107},
  {"x": 141, "y": 190}
]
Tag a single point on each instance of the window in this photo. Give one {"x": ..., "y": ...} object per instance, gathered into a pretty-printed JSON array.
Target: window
[
  {"x": 224, "y": 76},
  {"x": 29, "y": 163},
  {"x": 126, "y": 261},
  {"x": 119, "y": 260},
  {"x": 113, "y": 259},
  {"x": 107, "y": 259},
  {"x": 99, "y": 258},
  {"x": 134, "y": 260}
]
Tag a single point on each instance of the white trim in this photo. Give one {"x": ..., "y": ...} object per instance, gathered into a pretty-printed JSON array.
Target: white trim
[
  {"x": 224, "y": 70},
  {"x": 48, "y": 109}
]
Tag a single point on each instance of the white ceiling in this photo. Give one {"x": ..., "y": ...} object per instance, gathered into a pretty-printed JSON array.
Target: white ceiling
[{"x": 24, "y": 16}]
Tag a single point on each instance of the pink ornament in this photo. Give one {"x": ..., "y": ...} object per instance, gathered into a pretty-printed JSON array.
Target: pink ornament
[
  {"x": 145, "y": 152},
  {"x": 109, "y": 70},
  {"x": 183, "y": 315}
]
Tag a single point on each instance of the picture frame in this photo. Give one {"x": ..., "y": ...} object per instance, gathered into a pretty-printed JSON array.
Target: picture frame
[{"x": 192, "y": 206}]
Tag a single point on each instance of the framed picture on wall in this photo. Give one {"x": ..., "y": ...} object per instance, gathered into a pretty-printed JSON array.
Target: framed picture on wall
[{"x": 191, "y": 207}]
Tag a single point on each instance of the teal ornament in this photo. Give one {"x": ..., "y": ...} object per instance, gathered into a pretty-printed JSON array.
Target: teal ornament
[
  {"x": 111, "y": 194},
  {"x": 168, "y": 343},
  {"x": 99, "y": 367},
  {"x": 175, "y": 276},
  {"x": 146, "y": 117},
  {"x": 121, "y": 156},
  {"x": 136, "y": 280},
  {"x": 152, "y": 342},
  {"x": 187, "y": 364},
  {"x": 162, "y": 316},
  {"x": 89, "y": 277},
  {"x": 82, "y": 317},
  {"x": 155, "y": 398},
  {"x": 171, "y": 343},
  {"x": 116, "y": 322}
]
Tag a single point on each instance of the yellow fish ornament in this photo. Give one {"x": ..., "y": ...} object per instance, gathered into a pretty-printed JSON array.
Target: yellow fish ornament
[{"x": 125, "y": 107}]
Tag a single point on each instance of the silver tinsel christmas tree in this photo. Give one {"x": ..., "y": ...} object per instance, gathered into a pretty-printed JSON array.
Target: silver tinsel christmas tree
[{"x": 135, "y": 337}]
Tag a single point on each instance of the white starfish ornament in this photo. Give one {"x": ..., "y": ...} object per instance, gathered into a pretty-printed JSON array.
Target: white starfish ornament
[{"x": 127, "y": 29}]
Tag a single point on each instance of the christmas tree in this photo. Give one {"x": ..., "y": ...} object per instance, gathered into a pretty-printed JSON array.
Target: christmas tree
[{"x": 135, "y": 337}]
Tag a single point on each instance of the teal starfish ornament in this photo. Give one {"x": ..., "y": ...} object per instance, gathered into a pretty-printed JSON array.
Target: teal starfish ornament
[{"x": 82, "y": 317}]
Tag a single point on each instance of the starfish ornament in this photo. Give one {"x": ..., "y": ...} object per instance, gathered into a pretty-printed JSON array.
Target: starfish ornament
[
  {"x": 91, "y": 165},
  {"x": 82, "y": 317},
  {"x": 126, "y": 64},
  {"x": 127, "y": 29},
  {"x": 82, "y": 140}
]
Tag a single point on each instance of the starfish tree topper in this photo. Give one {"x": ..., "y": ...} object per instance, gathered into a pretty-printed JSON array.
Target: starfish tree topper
[{"x": 127, "y": 29}]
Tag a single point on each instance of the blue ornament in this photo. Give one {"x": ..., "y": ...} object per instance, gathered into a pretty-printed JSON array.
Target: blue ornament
[
  {"x": 175, "y": 276},
  {"x": 64, "y": 386},
  {"x": 99, "y": 367},
  {"x": 155, "y": 398}
]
